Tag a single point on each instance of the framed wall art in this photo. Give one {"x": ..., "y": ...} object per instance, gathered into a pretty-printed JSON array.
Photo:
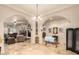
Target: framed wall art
[{"x": 55, "y": 30}]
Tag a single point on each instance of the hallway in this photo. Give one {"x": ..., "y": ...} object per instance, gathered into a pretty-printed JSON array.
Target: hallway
[
  {"x": 36, "y": 22},
  {"x": 25, "y": 48}
]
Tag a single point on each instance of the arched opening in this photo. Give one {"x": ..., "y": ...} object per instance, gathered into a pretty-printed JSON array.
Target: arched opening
[
  {"x": 17, "y": 29},
  {"x": 56, "y": 27}
]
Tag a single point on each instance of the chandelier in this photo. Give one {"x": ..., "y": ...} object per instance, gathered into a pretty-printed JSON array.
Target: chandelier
[{"x": 36, "y": 17}]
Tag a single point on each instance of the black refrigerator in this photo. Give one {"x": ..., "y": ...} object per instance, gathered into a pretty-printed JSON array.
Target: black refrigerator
[{"x": 72, "y": 39}]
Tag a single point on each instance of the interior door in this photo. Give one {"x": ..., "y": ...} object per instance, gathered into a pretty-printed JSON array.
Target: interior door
[
  {"x": 77, "y": 40},
  {"x": 69, "y": 39}
]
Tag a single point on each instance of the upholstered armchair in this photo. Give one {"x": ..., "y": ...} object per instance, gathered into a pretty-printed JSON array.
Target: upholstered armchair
[
  {"x": 20, "y": 38},
  {"x": 11, "y": 40}
]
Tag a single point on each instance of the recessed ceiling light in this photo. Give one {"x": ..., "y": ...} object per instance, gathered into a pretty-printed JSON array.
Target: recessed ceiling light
[
  {"x": 34, "y": 18},
  {"x": 14, "y": 19}
]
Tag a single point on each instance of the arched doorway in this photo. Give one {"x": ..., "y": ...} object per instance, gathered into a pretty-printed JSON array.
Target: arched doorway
[
  {"x": 55, "y": 26},
  {"x": 16, "y": 29}
]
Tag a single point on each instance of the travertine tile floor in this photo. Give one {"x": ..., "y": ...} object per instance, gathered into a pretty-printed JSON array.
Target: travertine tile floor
[{"x": 25, "y": 48}]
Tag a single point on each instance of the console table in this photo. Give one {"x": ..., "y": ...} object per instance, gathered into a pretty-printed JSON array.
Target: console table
[{"x": 54, "y": 42}]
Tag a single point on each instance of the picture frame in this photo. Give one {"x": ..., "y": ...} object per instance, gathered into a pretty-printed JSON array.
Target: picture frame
[
  {"x": 50, "y": 30},
  {"x": 60, "y": 29},
  {"x": 55, "y": 30}
]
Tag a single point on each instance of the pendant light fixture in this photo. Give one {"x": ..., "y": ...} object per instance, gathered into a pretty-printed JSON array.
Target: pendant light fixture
[{"x": 36, "y": 17}]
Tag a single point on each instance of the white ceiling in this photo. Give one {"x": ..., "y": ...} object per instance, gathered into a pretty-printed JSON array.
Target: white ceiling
[{"x": 43, "y": 9}]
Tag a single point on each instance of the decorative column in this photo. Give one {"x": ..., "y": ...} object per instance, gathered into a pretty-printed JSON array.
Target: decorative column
[{"x": 36, "y": 32}]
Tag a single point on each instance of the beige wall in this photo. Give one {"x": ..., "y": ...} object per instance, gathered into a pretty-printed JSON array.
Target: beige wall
[
  {"x": 5, "y": 13},
  {"x": 71, "y": 14}
]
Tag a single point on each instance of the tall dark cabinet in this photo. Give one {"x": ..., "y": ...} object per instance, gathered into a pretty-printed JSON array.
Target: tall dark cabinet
[
  {"x": 69, "y": 39},
  {"x": 76, "y": 38},
  {"x": 72, "y": 39}
]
